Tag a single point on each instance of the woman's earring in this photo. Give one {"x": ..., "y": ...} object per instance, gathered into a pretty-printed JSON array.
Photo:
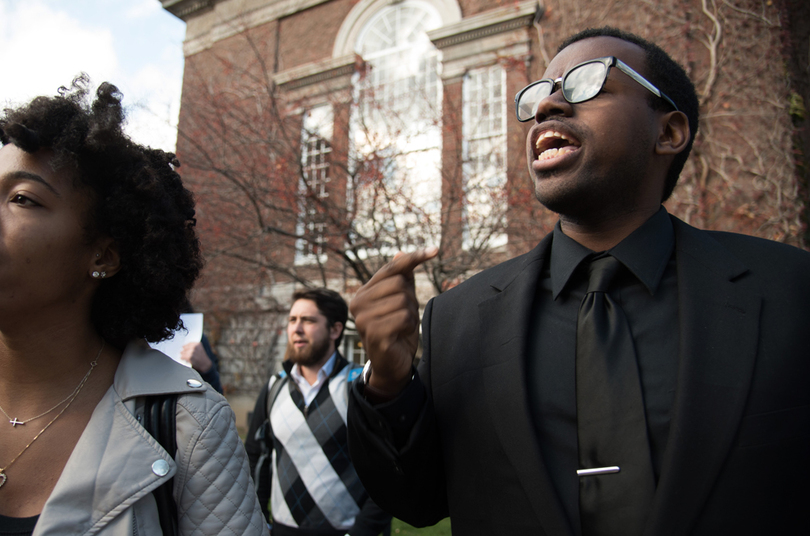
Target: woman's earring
[{"x": 97, "y": 274}]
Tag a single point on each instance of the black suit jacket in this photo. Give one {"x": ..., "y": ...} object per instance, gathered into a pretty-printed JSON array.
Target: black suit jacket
[{"x": 737, "y": 460}]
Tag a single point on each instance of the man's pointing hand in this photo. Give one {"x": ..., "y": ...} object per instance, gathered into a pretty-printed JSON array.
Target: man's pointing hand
[{"x": 386, "y": 313}]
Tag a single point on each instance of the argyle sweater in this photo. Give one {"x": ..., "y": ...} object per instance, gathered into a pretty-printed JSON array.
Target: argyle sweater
[{"x": 314, "y": 487}]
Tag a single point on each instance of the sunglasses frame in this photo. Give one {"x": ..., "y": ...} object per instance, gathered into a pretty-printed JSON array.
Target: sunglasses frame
[{"x": 608, "y": 62}]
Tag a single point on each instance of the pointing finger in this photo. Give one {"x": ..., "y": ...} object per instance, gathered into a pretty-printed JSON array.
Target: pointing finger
[{"x": 404, "y": 263}]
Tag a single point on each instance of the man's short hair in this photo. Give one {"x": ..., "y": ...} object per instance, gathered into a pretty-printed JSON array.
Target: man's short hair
[
  {"x": 330, "y": 304},
  {"x": 668, "y": 76}
]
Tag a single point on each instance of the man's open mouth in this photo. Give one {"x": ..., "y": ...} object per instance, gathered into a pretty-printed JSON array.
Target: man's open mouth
[{"x": 553, "y": 143}]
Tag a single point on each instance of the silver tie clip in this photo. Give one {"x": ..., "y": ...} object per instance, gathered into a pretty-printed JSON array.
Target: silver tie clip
[{"x": 598, "y": 471}]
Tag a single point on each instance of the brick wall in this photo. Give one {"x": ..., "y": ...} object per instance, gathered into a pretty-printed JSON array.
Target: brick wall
[{"x": 741, "y": 175}]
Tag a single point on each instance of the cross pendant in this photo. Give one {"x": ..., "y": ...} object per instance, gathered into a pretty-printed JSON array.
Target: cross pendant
[{"x": 15, "y": 422}]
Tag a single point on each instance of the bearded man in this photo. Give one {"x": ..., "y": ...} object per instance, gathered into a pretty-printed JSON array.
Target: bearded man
[{"x": 297, "y": 442}]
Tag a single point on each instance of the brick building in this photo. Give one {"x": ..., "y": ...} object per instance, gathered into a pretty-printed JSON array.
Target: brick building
[{"x": 320, "y": 136}]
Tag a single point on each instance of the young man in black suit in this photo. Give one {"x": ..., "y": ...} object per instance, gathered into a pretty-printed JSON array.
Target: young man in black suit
[{"x": 672, "y": 399}]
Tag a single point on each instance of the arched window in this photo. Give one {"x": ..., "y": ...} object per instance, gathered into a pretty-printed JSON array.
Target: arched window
[
  {"x": 395, "y": 177},
  {"x": 403, "y": 63}
]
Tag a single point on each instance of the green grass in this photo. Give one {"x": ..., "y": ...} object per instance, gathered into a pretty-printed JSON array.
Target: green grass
[{"x": 400, "y": 528}]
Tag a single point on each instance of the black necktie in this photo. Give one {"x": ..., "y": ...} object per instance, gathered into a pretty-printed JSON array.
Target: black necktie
[{"x": 611, "y": 425}]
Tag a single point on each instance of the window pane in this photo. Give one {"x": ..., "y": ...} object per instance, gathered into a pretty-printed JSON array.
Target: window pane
[
  {"x": 313, "y": 186},
  {"x": 395, "y": 154},
  {"x": 484, "y": 113}
]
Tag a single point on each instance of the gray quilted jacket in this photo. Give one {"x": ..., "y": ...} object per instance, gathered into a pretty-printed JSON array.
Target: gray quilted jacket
[{"x": 106, "y": 486}]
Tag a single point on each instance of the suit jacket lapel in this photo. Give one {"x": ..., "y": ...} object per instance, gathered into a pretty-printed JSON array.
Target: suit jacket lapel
[
  {"x": 504, "y": 337},
  {"x": 719, "y": 328}
]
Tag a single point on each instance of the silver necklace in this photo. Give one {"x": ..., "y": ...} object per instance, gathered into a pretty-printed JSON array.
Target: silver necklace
[
  {"x": 70, "y": 399},
  {"x": 15, "y": 422}
]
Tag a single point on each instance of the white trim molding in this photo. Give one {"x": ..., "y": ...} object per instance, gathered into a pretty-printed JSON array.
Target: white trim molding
[
  {"x": 209, "y": 21},
  {"x": 484, "y": 38},
  {"x": 319, "y": 82},
  {"x": 316, "y": 72},
  {"x": 353, "y": 24}
]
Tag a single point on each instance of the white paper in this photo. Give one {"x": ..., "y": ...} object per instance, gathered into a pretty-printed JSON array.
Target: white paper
[{"x": 193, "y": 332}]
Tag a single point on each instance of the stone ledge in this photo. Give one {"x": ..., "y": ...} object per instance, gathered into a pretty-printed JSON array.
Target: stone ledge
[
  {"x": 486, "y": 24},
  {"x": 210, "y": 21},
  {"x": 185, "y": 8},
  {"x": 317, "y": 72}
]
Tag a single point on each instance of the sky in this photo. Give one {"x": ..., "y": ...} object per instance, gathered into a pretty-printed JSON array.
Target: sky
[{"x": 134, "y": 44}]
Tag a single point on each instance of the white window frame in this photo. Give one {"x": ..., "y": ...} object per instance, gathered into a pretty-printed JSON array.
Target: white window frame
[
  {"x": 313, "y": 186},
  {"x": 484, "y": 117}
]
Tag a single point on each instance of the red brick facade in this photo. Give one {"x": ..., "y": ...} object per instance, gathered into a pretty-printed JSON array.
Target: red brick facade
[{"x": 250, "y": 74}]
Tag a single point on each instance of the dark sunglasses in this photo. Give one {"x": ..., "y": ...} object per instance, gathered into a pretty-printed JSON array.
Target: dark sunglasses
[{"x": 581, "y": 83}]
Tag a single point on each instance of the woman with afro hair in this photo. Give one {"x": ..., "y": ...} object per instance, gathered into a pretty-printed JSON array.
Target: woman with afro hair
[{"x": 97, "y": 255}]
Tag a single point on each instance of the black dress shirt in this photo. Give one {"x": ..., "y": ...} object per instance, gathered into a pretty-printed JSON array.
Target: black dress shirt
[{"x": 649, "y": 296}]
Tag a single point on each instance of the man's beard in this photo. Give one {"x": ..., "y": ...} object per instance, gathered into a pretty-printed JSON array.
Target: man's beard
[{"x": 308, "y": 356}]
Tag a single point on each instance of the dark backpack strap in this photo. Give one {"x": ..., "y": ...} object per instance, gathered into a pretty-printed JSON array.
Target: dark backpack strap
[
  {"x": 275, "y": 389},
  {"x": 264, "y": 433},
  {"x": 159, "y": 420}
]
